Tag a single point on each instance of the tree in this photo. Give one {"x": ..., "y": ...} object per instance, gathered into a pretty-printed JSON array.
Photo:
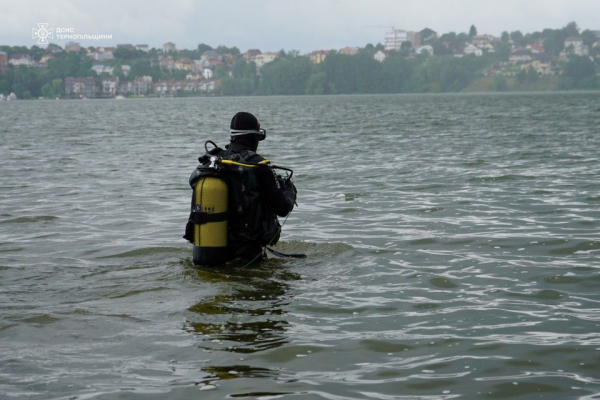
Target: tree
[
  {"x": 555, "y": 41},
  {"x": 571, "y": 29},
  {"x": 369, "y": 48},
  {"x": 47, "y": 91},
  {"x": 36, "y": 53},
  {"x": 203, "y": 47},
  {"x": 317, "y": 83},
  {"x": 54, "y": 48},
  {"x": 532, "y": 75},
  {"x": 234, "y": 86},
  {"x": 503, "y": 51},
  {"x": 589, "y": 37},
  {"x": 140, "y": 68},
  {"x": 517, "y": 38},
  {"x": 57, "y": 86},
  {"x": 579, "y": 68},
  {"x": 179, "y": 74},
  {"x": 285, "y": 76},
  {"x": 226, "y": 50},
  {"x": 472, "y": 31},
  {"x": 222, "y": 71},
  {"x": 499, "y": 84},
  {"x": 118, "y": 71},
  {"x": 243, "y": 70},
  {"x": 427, "y": 35},
  {"x": 521, "y": 77},
  {"x": 405, "y": 47},
  {"x": 505, "y": 37},
  {"x": 121, "y": 53}
]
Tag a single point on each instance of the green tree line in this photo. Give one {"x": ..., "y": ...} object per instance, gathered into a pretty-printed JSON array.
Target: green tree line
[{"x": 402, "y": 71}]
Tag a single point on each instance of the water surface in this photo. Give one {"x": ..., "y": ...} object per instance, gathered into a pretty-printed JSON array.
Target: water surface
[{"x": 452, "y": 240}]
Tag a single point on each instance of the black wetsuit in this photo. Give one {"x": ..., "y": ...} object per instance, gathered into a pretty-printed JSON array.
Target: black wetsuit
[{"x": 280, "y": 199}]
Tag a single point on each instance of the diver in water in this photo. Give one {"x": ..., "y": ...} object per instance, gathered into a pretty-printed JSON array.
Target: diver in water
[{"x": 255, "y": 197}]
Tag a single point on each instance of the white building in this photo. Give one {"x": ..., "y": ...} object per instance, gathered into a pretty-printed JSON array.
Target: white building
[
  {"x": 110, "y": 86},
  {"x": 208, "y": 73},
  {"x": 101, "y": 55},
  {"x": 21, "y": 59},
  {"x": 576, "y": 46},
  {"x": 472, "y": 49},
  {"x": 101, "y": 69},
  {"x": 264, "y": 58},
  {"x": 395, "y": 38},
  {"x": 194, "y": 76},
  {"x": 426, "y": 48},
  {"x": 541, "y": 67},
  {"x": 482, "y": 40},
  {"x": 379, "y": 56},
  {"x": 520, "y": 55}
]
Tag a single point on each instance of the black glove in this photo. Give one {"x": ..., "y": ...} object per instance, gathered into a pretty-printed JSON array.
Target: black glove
[
  {"x": 290, "y": 189},
  {"x": 290, "y": 185}
]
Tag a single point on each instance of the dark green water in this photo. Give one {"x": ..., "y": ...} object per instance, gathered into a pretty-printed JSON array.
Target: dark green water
[{"x": 453, "y": 251}]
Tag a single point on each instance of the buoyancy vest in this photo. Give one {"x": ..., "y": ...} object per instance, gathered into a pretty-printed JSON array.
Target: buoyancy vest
[{"x": 249, "y": 216}]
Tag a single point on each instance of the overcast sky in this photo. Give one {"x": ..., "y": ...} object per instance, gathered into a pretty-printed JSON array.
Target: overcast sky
[{"x": 271, "y": 25}]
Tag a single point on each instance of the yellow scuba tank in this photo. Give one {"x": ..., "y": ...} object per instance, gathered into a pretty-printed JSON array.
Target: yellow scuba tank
[{"x": 210, "y": 221}]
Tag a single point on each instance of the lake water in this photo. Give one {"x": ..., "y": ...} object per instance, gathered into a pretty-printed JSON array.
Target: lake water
[{"x": 453, "y": 250}]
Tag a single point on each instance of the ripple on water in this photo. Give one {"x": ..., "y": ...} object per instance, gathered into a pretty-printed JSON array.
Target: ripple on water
[{"x": 452, "y": 257}]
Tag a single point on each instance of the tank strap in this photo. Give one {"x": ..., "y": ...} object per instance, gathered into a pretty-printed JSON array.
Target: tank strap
[{"x": 201, "y": 217}]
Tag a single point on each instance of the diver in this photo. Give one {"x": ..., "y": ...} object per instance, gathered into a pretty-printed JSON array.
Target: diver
[{"x": 253, "y": 196}]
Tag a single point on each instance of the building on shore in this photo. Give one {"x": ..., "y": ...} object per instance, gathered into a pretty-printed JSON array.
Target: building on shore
[
  {"x": 251, "y": 54},
  {"x": 208, "y": 73},
  {"x": 142, "y": 85},
  {"x": 574, "y": 46},
  {"x": 520, "y": 55},
  {"x": 72, "y": 47},
  {"x": 166, "y": 62},
  {"x": 101, "y": 55},
  {"x": 47, "y": 57},
  {"x": 318, "y": 56},
  {"x": 169, "y": 47},
  {"x": 264, "y": 58},
  {"x": 84, "y": 87},
  {"x": 184, "y": 64},
  {"x": 472, "y": 49},
  {"x": 393, "y": 40},
  {"x": 380, "y": 56},
  {"x": 482, "y": 40},
  {"x": 349, "y": 51},
  {"x": 21, "y": 59},
  {"x": 426, "y": 47},
  {"x": 176, "y": 88},
  {"x": 110, "y": 86}
]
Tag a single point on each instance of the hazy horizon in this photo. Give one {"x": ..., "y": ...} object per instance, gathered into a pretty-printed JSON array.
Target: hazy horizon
[{"x": 272, "y": 25}]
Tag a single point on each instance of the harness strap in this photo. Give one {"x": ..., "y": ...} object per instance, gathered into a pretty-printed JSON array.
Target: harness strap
[{"x": 200, "y": 217}]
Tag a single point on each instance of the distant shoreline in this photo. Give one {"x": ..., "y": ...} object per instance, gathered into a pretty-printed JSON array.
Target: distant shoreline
[{"x": 471, "y": 90}]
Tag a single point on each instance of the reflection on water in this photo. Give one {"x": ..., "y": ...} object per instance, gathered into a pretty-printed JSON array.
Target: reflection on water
[{"x": 249, "y": 318}]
